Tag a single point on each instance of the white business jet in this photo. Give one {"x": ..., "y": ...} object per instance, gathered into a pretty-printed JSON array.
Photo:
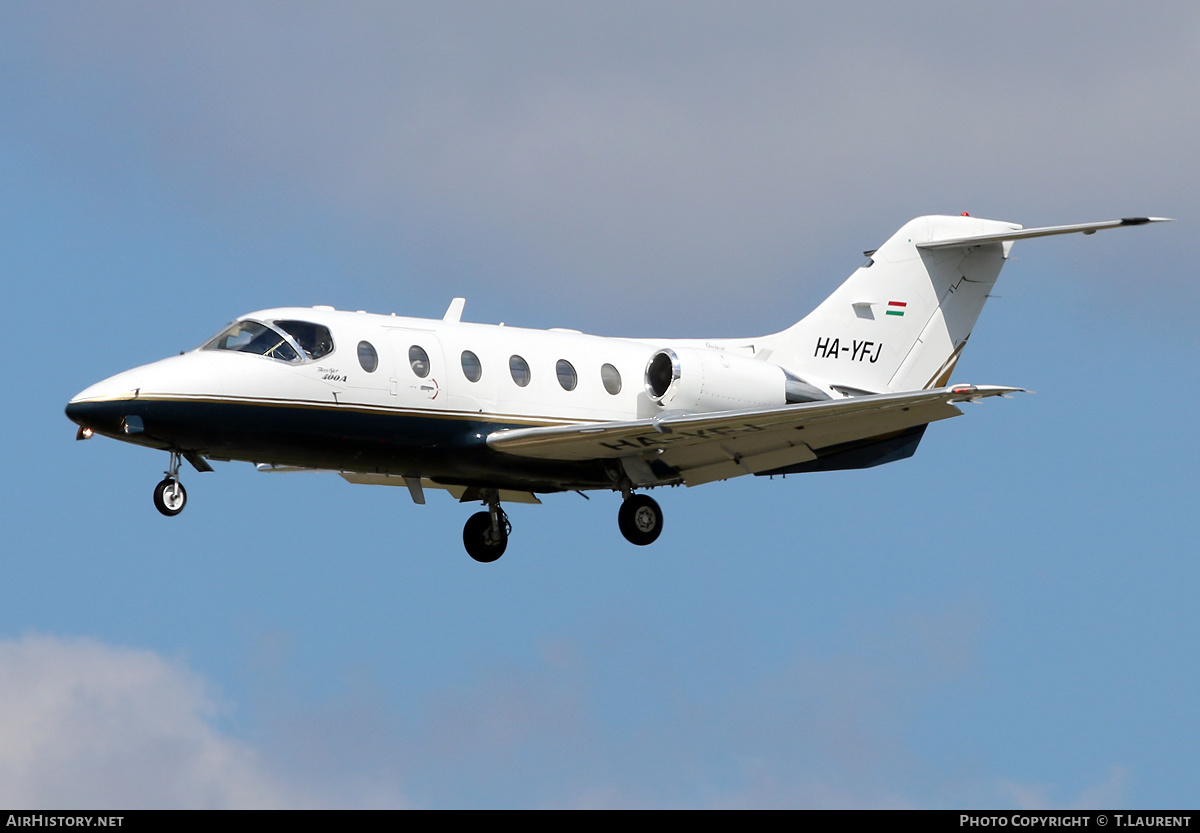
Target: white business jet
[{"x": 494, "y": 413}]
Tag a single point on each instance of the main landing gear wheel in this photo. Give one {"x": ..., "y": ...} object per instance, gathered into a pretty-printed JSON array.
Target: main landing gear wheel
[
  {"x": 170, "y": 497},
  {"x": 640, "y": 519},
  {"x": 486, "y": 541}
]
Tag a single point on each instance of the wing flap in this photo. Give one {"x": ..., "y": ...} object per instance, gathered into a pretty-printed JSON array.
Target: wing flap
[
  {"x": 736, "y": 465},
  {"x": 457, "y": 492}
]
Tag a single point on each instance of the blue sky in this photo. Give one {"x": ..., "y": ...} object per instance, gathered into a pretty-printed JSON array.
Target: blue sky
[{"x": 1005, "y": 620}]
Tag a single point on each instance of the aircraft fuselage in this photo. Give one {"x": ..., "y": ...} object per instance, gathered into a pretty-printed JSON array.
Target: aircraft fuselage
[
  {"x": 332, "y": 412},
  {"x": 494, "y": 413}
]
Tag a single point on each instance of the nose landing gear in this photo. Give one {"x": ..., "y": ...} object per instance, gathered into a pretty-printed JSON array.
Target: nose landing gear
[{"x": 169, "y": 495}]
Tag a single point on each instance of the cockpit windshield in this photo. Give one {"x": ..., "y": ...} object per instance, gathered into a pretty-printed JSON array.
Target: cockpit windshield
[
  {"x": 253, "y": 337},
  {"x": 313, "y": 339},
  {"x": 275, "y": 339}
]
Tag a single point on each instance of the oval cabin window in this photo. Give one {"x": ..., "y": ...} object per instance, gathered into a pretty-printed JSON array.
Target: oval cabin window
[
  {"x": 367, "y": 356},
  {"x": 519, "y": 368},
  {"x": 418, "y": 360},
  {"x": 611, "y": 377},
  {"x": 566, "y": 374},
  {"x": 471, "y": 367}
]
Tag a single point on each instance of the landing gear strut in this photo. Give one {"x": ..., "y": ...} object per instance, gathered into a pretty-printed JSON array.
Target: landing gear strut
[
  {"x": 486, "y": 533},
  {"x": 640, "y": 519},
  {"x": 169, "y": 495}
]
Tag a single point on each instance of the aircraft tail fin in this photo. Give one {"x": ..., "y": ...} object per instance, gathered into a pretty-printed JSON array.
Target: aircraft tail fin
[{"x": 900, "y": 321}]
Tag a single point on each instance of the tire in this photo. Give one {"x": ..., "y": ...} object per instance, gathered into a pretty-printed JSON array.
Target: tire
[
  {"x": 477, "y": 538},
  {"x": 170, "y": 497},
  {"x": 640, "y": 519}
]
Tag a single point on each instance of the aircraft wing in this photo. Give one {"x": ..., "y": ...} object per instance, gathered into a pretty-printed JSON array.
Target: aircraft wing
[{"x": 717, "y": 446}]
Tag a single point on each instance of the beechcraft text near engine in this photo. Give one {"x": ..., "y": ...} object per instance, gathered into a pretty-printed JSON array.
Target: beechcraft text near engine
[{"x": 494, "y": 414}]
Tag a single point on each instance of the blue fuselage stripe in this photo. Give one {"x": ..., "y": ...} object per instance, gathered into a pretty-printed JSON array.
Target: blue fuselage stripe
[{"x": 450, "y": 449}]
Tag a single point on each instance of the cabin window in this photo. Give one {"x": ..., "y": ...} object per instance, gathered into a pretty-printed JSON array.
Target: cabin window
[
  {"x": 367, "y": 356},
  {"x": 472, "y": 369},
  {"x": 519, "y": 368},
  {"x": 313, "y": 339},
  {"x": 418, "y": 360},
  {"x": 566, "y": 374},
  {"x": 253, "y": 337},
  {"x": 611, "y": 377}
]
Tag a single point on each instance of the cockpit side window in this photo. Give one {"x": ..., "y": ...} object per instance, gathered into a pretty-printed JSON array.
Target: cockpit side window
[
  {"x": 253, "y": 337},
  {"x": 314, "y": 339}
]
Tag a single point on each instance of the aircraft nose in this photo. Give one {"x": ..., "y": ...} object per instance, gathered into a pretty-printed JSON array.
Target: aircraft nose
[
  {"x": 131, "y": 403},
  {"x": 122, "y": 386},
  {"x": 93, "y": 408}
]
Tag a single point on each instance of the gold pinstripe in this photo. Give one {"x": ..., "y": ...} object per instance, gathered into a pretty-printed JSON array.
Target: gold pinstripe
[
  {"x": 532, "y": 420},
  {"x": 942, "y": 377}
]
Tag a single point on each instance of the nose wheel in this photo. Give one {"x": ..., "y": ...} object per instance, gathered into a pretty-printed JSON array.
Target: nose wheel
[
  {"x": 640, "y": 519},
  {"x": 169, "y": 495},
  {"x": 486, "y": 534}
]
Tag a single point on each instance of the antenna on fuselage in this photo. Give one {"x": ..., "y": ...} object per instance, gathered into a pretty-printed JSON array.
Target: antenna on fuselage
[{"x": 454, "y": 311}]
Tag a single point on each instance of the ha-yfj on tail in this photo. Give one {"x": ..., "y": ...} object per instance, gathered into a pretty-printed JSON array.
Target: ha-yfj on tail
[{"x": 494, "y": 413}]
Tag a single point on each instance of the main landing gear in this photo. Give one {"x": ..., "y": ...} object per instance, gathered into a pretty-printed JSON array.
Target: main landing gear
[
  {"x": 486, "y": 534},
  {"x": 640, "y": 519},
  {"x": 169, "y": 495}
]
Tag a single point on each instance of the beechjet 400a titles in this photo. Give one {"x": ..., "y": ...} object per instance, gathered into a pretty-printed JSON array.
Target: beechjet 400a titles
[{"x": 494, "y": 413}]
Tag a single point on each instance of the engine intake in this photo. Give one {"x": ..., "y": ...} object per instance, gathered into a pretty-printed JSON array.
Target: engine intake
[{"x": 699, "y": 380}]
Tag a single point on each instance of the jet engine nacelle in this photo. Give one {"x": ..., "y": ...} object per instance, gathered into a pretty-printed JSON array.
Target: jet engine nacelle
[{"x": 695, "y": 379}]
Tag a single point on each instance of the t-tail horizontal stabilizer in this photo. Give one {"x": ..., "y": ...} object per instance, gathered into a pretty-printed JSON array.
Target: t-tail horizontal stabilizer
[{"x": 1019, "y": 233}]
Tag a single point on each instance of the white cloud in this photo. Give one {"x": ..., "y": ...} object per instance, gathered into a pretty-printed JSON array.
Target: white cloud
[
  {"x": 83, "y": 724},
  {"x": 87, "y": 724}
]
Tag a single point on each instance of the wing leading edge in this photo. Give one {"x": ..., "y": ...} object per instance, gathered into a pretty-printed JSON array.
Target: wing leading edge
[{"x": 700, "y": 448}]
